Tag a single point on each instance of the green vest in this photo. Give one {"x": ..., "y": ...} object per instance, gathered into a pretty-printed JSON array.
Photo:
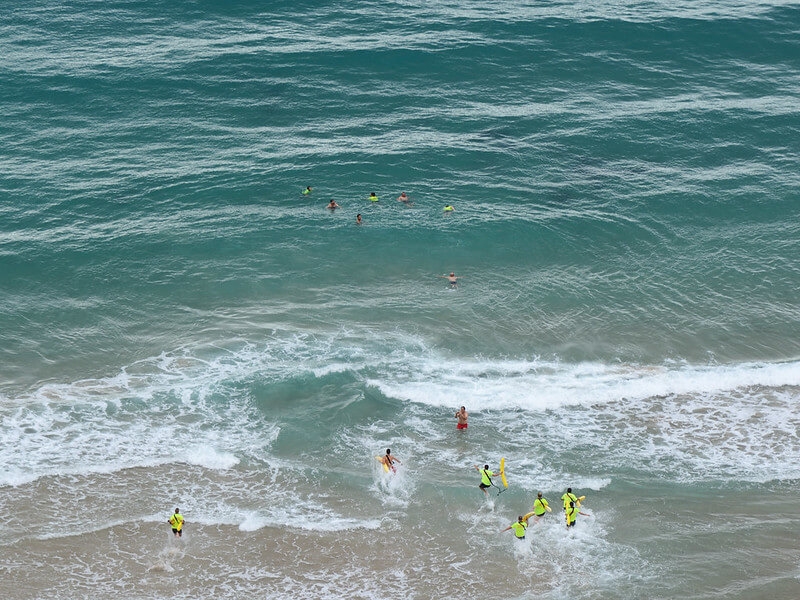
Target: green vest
[
  {"x": 519, "y": 529},
  {"x": 486, "y": 477}
]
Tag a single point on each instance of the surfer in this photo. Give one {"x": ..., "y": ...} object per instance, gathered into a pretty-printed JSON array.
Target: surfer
[
  {"x": 358, "y": 219},
  {"x": 403, "y": 198},
  {"x": 332, "y": 204},
  {"x": 307, "y": 191},
  {"x": 540, "y": 507},
  {"x": 519, "y": 528},
  {"x": 568, "y": 497},
  {"x": 486, "y": 478},
  {"x": 389, "y": 460},
  {"x": 176, "y": 520},
  {"x": 572, "y": 514},
  {"x": 462, "y": 415}
]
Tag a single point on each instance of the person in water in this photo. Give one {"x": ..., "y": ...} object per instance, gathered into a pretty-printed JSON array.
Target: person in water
[
  {"x": 486, "y": 478},
  {"x": 540, "y": 507},
  {"x": 462, "y": 416},
  {"x": 519, "y": 528},
  {"x": 389, "y": 460},
  {"x": 448, "y": 208},
  {"x": 451, "y": 279},
  {"x": 373, "y": 197},
  {"x": 307, "y": 191},
  {"x": 572, "y": 514},
  {"x": 568, "y": 497},
  {"x": 403, "y": 198},
  {"x": 177, "y": 521},
  {"x": 358, "y": 219},
  {"x": 332, "y": 204}
]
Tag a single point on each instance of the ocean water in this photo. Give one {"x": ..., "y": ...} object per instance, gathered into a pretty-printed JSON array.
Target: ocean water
[{"x": 180, "y": 326}]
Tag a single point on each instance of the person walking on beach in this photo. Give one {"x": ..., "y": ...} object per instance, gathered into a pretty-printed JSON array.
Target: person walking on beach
[
  {"x": 572, "y": 514},
  {"x": 462, "y": 416},
  {"x": 568, "y": 497},
  {"x": 177, "y": 521},
  {"x": 540, "y": 507},
  {"x": 486, "y": 478},
  {"x": 388, "y": 459}
]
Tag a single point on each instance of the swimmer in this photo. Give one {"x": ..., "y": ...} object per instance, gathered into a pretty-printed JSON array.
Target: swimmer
[
  {"x": 462, "y": 416},
  {"x": 389, "y": 460},
  {"x": 332, "y": 204},
  {"x": 451, "y": 279},
  {"x": 448, "y": 208},
  {"x": 403, "y": 198},
  {"x": 358, "y": 219},
  {"x": 307, "y": 191},
  {"x": 373, "y": 197}
]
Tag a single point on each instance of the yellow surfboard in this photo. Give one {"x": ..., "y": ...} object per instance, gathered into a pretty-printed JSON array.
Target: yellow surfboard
[
  {"x": 580, "y": 499},
  {"x": 385, "y": 466},
  {"x": 528, "y": 516},
  {"x": 503, "y": 472}
]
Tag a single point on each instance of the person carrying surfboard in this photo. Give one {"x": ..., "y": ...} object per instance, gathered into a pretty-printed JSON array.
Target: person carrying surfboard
[
  {"x": 177, "y": 521},
  {"x": 540, "y": 507},
  {"x": 569, "y": 497},
  {"x": 486, "y": 478},
  {"x": 519, "y": 528},
  {"x": 389, "y": 460},
  {"x": 572, "y": 514}
]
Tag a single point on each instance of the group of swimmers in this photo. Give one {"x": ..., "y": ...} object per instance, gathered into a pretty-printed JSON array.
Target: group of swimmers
[{"x": 373, "y": 197}]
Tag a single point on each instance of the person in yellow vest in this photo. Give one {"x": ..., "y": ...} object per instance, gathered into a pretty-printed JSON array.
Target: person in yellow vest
[
  {"x": 540, "y": 507},
  {"x": 486, "y": 478},
  {"x": 572, "y": 514},
  {"x": 177, "y": 522},
  {"x": 568, "y": 497},
  {"x": 307, "y": 191},
  {"x": 373, "y": 197},
  {"x": 519, "y": 528}
]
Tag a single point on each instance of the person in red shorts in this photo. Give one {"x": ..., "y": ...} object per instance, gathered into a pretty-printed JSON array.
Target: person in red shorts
[{"x": 461, "y": 415}]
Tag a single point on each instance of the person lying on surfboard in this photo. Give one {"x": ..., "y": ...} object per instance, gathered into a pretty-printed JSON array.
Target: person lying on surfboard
[{"x": 389, "y": 460}]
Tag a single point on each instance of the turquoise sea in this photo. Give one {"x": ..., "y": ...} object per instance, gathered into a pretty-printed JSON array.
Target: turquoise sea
[{"x": 181, "y": 327}]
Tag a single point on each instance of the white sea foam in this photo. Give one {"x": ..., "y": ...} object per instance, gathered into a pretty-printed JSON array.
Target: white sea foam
[{"x": 539, "y": 385}]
